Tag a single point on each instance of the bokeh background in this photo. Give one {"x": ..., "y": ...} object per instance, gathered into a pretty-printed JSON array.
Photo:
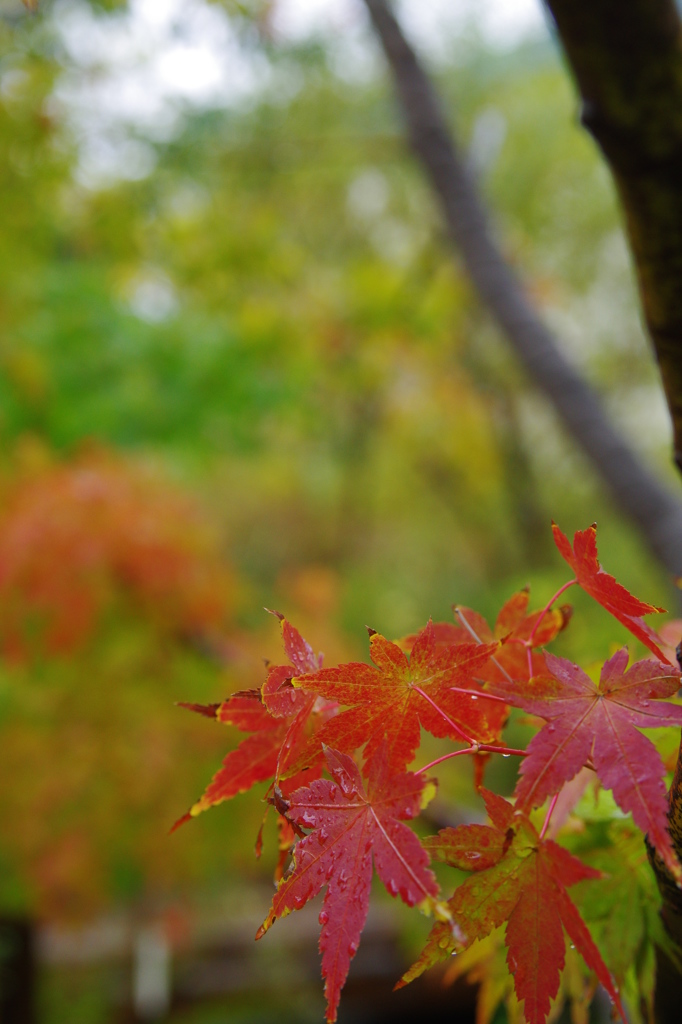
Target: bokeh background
[{"x": 240, "y": 367}]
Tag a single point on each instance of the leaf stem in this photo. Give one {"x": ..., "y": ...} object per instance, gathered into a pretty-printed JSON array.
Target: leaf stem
[
  {"x": 477, "y": 693},
  {"x": 490, "y": 748},
  {"x": 550, "y": 810},
  {"x": 541, "y": 615},
  {"x": 475, "y": 748},
  {"x": 446, "y": 757}
]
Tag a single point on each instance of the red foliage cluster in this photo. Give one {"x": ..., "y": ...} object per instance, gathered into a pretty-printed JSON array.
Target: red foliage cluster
[
  {"x": 457, "y": 681},
  {"x": 73, "y": 537}
]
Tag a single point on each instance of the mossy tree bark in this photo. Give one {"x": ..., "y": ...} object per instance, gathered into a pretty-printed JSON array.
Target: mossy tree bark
[{"x": 626, "y": 56}]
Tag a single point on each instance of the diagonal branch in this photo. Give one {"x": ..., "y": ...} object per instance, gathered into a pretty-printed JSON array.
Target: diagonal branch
[{"x": 652, "y": 507}]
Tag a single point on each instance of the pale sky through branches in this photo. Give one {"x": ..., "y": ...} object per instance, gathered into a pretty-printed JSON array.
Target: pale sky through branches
[
  {"x": 500, "y": 22},
  {"x": 135, "y": 69}
]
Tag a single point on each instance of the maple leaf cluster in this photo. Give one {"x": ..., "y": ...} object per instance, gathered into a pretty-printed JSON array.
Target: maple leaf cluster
[{"x": 337, "y": 746}]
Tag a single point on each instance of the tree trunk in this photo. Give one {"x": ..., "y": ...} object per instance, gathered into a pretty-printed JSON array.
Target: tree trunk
[{"x": 626, "y": 56}]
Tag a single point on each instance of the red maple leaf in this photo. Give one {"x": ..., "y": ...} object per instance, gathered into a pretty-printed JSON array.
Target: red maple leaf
[
  {"x": 279, "y": 696},
  {"x": 254, "y": 760},
  {"x": 598, "y": 726},
  {"x": 605, "y": 589},
  {"x": 519, "y": 879},
  {"x": 515, "y": 625},
  {"x": 390, "y": 700},
  {"x": 278, "y": 718},
  {"x": 303, "y": 709},
  {"x": 352, "y": 827},
  {"x": 520, "y": 629}
]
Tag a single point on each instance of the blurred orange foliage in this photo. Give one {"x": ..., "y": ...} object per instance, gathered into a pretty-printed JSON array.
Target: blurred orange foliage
[
  {"x": 113, "y": 588},
  {"x": 74, "y": 537}
]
